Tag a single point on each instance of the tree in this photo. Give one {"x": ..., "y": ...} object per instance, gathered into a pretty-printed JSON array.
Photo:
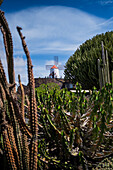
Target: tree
[{"x": 82, "y": 66}]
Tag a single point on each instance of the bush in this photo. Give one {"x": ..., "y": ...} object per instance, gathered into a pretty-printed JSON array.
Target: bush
[{"x": 49, "y": 86}]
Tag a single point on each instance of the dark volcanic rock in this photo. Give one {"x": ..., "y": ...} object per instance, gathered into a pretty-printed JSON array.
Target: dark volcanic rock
[{"x": 39, "y": 81}]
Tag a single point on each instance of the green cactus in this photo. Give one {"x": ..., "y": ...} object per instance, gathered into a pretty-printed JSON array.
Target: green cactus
[
  {"x": 65, "y": 131},
  {"x": 103, "y": 69}
]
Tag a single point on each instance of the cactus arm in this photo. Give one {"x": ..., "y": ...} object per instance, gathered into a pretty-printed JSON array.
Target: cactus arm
[
  {"x": 100, "y": 74},
  {"x": 14, "y": 146},
  {"x": 28, "y": 105},
  {"x": 7, "y": 145},
  {"x": 104, "y": 75},
  {"x": 24, "y": 137},
  {"x": 10, "y": 131},
  {"x": 103, "y": 55},
  {"x": 8, "y": 150},
  {"x": 11, "y": 100},
  {"x": 107, "y": 66},
  {"x": 33, "y": 108},
  {"x": 8, "y": 47},
  {"x": 3, "y": 76},
  {"x": 22, "y": 96},
  {"x": 5, "y": 41}
]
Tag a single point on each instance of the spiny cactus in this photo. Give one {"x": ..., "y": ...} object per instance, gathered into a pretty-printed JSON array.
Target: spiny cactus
[
  {"x": 24, "y": 136},
  {"x": 103, "y": 69},
  {"x": 75, "y": 132},
  {"x": 33, "y": 107},
  {"x": 8, "y": 43},
  {"x": 19, "y": 141}
]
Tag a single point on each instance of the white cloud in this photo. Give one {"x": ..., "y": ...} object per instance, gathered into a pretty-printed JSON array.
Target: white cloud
[
  {"x": 53, "y": 28},
  {"x": 105, "y": 2},
  {"x": 40, "y": 71},
  {"x": 20, "y": 66},
  {"x": 20, "y": 62},
  {"x": 49, "y": 62},
  {"x": 49, "y": 31}
]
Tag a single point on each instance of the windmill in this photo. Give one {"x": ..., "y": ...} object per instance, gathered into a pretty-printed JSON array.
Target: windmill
[{"x": 54, "y": 69}]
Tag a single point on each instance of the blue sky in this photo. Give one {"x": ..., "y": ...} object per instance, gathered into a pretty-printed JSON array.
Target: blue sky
[{"x": 53, "y": 28}]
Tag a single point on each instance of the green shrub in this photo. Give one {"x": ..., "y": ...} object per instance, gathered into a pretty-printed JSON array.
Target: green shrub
[{"x": 49, "y": 86}]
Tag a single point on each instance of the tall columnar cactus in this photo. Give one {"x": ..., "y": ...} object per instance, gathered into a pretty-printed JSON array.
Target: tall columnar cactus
[
  {"x": 33, "y": 107},
  {"x": 8, "y": 43},
  {"x": 103, "y": 69},
  {"x": 72, "y": 127},
  {"x": 24, "y": 136},
  {"x": 19, "y": 141}
]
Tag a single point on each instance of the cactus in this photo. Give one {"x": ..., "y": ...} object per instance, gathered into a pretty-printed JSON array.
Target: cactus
[
  {"x": 103, "y": 71},
  {"x": 85, "y": 128},
  {"x": 14, "y": 130},
  {"x": 75, "y": 131},
  {"x": 8, "y": 43},
  {"x": 24, "y": 136},
  {"x": 33, "y": 109}
]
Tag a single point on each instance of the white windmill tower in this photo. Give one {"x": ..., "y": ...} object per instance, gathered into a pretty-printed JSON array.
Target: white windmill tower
[{"x": 54, "y": 69}]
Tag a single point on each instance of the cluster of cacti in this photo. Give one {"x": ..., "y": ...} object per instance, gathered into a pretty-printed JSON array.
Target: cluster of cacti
[
  {"x": 74, "y": 130},
  {"x": 59, "y": 128},
  {"x": 103, "y": 69},
  {"x": 18, "y": 141}
]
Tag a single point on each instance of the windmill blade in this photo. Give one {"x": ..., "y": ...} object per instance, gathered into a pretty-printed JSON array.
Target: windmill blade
[
  {"x": 56, "y": 60},
  {"x": 61, "y": 67},
  {"x": 48, "y": 67}
]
